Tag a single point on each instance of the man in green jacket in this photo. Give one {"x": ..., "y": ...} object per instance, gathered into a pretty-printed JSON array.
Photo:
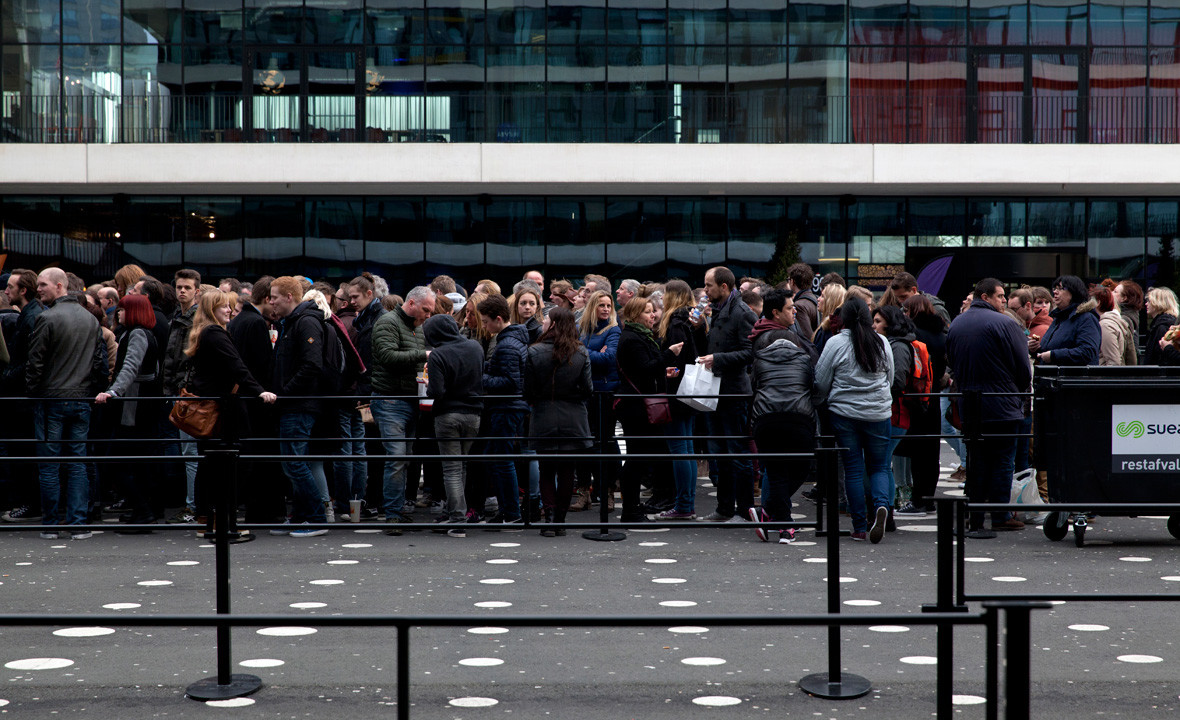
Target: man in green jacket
[{"x": 399, "y": 353}]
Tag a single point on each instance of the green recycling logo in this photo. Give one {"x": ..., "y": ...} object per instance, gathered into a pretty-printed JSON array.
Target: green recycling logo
[{"x": 1134, "y": 428}]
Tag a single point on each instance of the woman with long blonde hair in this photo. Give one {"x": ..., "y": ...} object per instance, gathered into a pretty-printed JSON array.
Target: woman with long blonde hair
[
  {"x": 676, "y": 328},
  {"x": 599, "y": 332},
  {"x": 831, "y": 298}
]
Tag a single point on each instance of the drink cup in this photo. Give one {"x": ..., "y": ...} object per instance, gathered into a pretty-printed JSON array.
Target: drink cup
[{"x": 354, "y": 510}]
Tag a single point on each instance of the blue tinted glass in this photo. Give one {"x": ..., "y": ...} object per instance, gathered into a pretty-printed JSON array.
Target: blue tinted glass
[
  {"x": 91, "y": 21},
  {"x": 696, "y": 231},
  {"x": 818, "y": 110},
  {"x": 147, "y": 21},
  {"x": 756, "y": 230},
  {"x": 999, "y": 22},
  {"x": 454, "y": 232},
  {"x": 334, "y": 229},
  {"x": 32, "y": 225},
  {"x": 1057, "y": 22},
  {"x": 637, "y": 23},
  {"x": 86, "y": 70},
  {"x": 515, "y": 232},
  {"x": 576, "y": 112},
  {"x": 936, "y": 223},
  {"x": 151, "y": 229},
  {"x": 213, "y": 22},
  {"x": 274, "y": 21},
  {"x": 580, "y": 22},
  {"x": 1118, "y": 22},
  {"x": 516, "y": 22},
  {"x": 34, "y": 21},
  {"x": 1163, "y": 232},
  {"x": 393, "y": 231},
  {"x": 757, "y": 22},
  {"x": 395, "y": 23},
  {"x": 696, "y": 22},
  {"x": 31, "y": 82},
  {"x": 1115, "y": 238},
  {"x": 996, "y": 223},
  {"x": 938, "y": 22},
  {"x": 877, "y": 22},
  {"x": 1056, "y": 223},
  {"x": 274, "y": 232},
  {"x": 575, "y": 233},
  {"x": 817, "y": 22},
  {"x": 458, "y": 22},
  {"x": 214, "y": 228},
  {"x": 815, "y": 223},
  {"x": 333, "y": 22},
  {"x": 1165, "y": 23},
  {"x": 635, "y": 235}
]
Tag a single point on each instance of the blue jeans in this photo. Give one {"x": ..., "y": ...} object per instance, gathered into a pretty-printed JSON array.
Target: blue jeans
[
  {"x": 954, "y": 441},
  {"x": 735, "y": 476},
  {"x": 895, "y": 436},
  {"x": 867, "y": 451},
  {"x": 684, "y": 472},
  {"x": 351, "y": 475},
  {"x": 295, "y": 436},
  {"x": 503, "y": 424},
  {"x": 63, "y": 425},
  {"x": 396, "y": 420}
]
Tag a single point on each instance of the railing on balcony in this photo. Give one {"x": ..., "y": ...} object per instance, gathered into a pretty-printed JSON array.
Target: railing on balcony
[{"x": 756, "y": 116}]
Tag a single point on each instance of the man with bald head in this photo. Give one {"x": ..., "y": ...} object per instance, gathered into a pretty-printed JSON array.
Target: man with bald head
[{"x": 61, "y": 355}]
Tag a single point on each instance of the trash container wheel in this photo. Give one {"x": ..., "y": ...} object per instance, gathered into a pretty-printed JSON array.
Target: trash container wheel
[
  {"x": 1055, "y": 526},
  {"x": 1174, "y": 526}
]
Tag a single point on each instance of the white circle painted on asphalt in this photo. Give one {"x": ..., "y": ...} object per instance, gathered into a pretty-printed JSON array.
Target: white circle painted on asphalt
[
  {"x": 39, "y": 664},
  {"x": 1133, "y": 558},
  {"x": 357, "y": 546},
  {"x": 815, "y": 560},
  {"x": 342, "y": 562},
  {"x": 474, "y": 702},
  {"x": 659, "y": 561},
  {"x": 844, "y": 579},
  {"x": 1171, "y": 578},
  {"x": 327, "y": 582},
  {"x": 979, "y": 559},
  {"x": 261, "y": 663},
  {"x": 669, "y": 581},
  {"x": 688, "y": 629},
  {"x": 3, "y": 703},
  {"x": 286, "y": 631},
  {"x": 716, "y": 701},
  {"x": 647, "y": 530},
  {"x": 703, "y": 661},
  {"x": 803, "y": 543},
  {"x": 231, "y": 703},
  {"x": 501, "y": 561},
  {"x": 21, "y": 564},
  {"x": 967, "y": 700},
  {"x": 505, "y": 544},
  {"x": 496, "y": 581},
  {"x": 955, "y": 493},
  {"x": 183, "y": 563},
  {"x": 121, "y": 606},
  {"x": 652, "y": 544},
  {"x": 1088, "y": 628},
  {"x": 920, "y": 660},
  {"x": 366, "y": 532},
  {"x": 308, "y": 605},
  {"x": 918, "y": 528},
  {"x": 481, "y": 662},
  {"x": 1009, "y": 578},
  {"x": 487, "y": 630},
  {"x": 1139, "y": 658},
  {"x": 493, "y": 604},
  {"x": 206, "y": 546},
  {"x": 889, "y": 628},
  {"x": 678, "y": 603},
  {"x": 84, "y": 632},
  {"x": 154, "y": 583},
  {"x": 862, "y": 603}
]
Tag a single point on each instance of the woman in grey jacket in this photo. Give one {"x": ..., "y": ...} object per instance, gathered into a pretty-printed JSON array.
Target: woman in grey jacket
[{"x": 854, "y": 374}]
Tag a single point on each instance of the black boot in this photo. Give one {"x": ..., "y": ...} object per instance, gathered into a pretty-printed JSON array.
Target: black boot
[
  {"x": 559, "y": 517},
  {"x": 548, "y": 532}
]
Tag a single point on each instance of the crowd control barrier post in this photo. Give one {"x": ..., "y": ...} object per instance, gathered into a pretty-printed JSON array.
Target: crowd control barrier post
[
  {"x": 603, "y": 533},
  {"x": 1017, "y": 655},
  {"x": 222, "y": 464},
  {"x": 834, "y": 684}
]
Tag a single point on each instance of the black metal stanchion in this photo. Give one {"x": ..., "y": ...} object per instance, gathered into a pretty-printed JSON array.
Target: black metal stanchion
[
  {"x": 1017, "y": 656},
  {"x": 834, "y": 684},
  {"x": 403, "y": 672},
  {"x": 603, "y": 533},
  {"x": 945, "y": 562},
  {"x": 991, "y": 617},
  {"x": 223, "y": 467}
]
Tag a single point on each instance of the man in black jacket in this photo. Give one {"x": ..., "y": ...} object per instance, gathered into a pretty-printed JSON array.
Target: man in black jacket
[
  {"x": 504, "y": 375},
  {"x": 17, "y": 419},
  {"x": 729, "y": 356},
  {"x": 987, "y": 352},
  {"x": 299, "y": 372},
  {"x": 455, "y": 372}
]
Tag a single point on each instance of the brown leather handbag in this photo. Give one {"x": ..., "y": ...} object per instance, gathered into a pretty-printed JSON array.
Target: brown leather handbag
[{"x": 197, "y": 418}]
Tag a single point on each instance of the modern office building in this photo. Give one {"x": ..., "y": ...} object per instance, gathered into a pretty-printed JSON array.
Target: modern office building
[{"x": 646, "y": 138}]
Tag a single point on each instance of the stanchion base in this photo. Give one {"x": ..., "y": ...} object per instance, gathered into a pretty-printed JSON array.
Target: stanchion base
[
  {"x": 209, "y": 689},
  {"x": 609, "y": 536},
  {"x": 850, "y": 686}
]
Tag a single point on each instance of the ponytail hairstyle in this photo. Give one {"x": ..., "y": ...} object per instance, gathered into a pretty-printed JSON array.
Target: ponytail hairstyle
[
  {"x": 363, "y": 282},
  {"x": 868, "y": 350},
  {"x": 897, "y": 324}
]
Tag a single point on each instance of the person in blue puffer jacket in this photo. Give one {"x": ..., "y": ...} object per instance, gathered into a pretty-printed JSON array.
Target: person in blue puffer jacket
[
  {"x": 599, "y": 331},
  {"x": 1075, "y": 335}
]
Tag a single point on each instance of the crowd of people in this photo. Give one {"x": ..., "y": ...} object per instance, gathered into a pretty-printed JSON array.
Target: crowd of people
[{"x": 353, "y": 372}]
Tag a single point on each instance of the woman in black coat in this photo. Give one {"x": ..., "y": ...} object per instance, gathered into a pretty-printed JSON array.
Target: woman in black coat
[
  {"x": 922, "y": 451},
  {"x": 643, "y": 369},
  {"x": 676, "y": 328},
  {"x": 218, "y": 371}
]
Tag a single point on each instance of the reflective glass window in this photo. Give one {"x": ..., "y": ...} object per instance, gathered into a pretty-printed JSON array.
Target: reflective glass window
[
  {"x": 213, "y": 22},
  {"x": 515, "y": 232},
  {"x": 455, "y": 22},
  {"x": 33, "y": 21},
  {"x": 696, "y": 22},
  {"x": 1115, "y": 235},
  {"x": 757, "y": 22},
  {"x": 877, "y": 22},
  {"x": 1163, "y": 241},
  {"x": 1164, "y": 23},
  {"x": 334, "y": 22},
  {"x": 998, "y": 22},
  {"x": 758, "y": 94},
  {"x": 999, "y": 106},
  {"x": 818, "y": 82},
  {"x": 638, "y": 24},
  {"x": 996, "y": 223},
  {"x": 1164, "y": 96},
  {"x": 640, "y": 116},
  {"x": 1118, "y": 95},
  {"x": 696, "y": 230},
  {"x": 575, "y": 231},
  {"x": 152, "y": 102},
  {"x": 1118, "y": 22},
  {"x": 274, "y": 231},
  {"x": 877, "y": 94},
  {"x": 152, "y": 230},
  {"x": 1057, "y": 22},
  {"x": 146, "y": 21},
  {"x": 32, "y": 229},
  {"x": 575, "y": 112},
  {"x": 937, "y": 95},
  {"x": 92, "y": 84},
  {"x": 396, "y": 23},
  {"x": 91, "y": 21},
  {"x": 938, "y": 22},
  {"x": 576, "y": 22},
  {"x": 516, "y": 22},
  {"x": 937, "y": 222},
  {"x": 278, "y": 22},
  {"x": 212, "y": 93},
  {"x": 757, "y": 237},
  {"x": 89, "y": 225},
  {"x": 1056, "y": 223},
  {"x": 393, "y": 231},
  {"x": 334, "y": 229},
  {"x": 1056, "y": 96},
  {"x": 818, "y": 225},
  {"x": 214, "y": 231},
  {"x": 635, "y": 232},
  {"x": 32, "y": 86},
  {"x": 453, "y": 231},
  {"x": 817, "y": 22},
  {"x": 877, "y": 242}
]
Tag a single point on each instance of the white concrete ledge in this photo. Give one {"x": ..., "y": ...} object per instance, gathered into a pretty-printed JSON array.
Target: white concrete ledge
[{"x": 435, "y": 169}]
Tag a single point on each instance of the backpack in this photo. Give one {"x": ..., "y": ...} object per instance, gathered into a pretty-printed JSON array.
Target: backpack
[
  {"x": 920, "y": 380},
  {"x": 342, "y": 362}
]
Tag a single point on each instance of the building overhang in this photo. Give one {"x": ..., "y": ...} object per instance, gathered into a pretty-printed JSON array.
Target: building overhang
[{"x": 590, "y": 169}]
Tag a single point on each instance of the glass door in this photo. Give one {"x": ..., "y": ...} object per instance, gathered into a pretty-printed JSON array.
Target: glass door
[{"x": 303, "y": 95}]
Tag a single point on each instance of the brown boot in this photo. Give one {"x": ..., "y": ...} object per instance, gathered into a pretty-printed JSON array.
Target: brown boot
[
  {"x": 581, "y": 500},
  {"x": 609, "y": 499}
]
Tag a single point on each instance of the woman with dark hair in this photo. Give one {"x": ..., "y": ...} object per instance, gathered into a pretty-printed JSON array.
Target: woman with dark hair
[
  {"x": 137, "y": 373},
  {"x": 892, "y": 322},
  {"x": 1116, "y": 346},
  {"x": 854, "y": 374},
  {"x": 643, "y": 369},
  {"x": 1074, "y": 336},
  {"x": 1129, "y": 297},
  {"x": 526, "y": 310},
  {"x": 925, "y": 420},
  {"x": 557, "y": 385}
]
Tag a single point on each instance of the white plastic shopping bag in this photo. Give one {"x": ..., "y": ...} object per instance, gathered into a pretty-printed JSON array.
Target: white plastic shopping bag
[
  {"x": 702, "y": 383},
  {"x": 1025, "y": 492}
]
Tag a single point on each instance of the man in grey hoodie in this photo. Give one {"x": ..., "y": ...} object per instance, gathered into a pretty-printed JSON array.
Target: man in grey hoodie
[{"x": 455, "y": 372}]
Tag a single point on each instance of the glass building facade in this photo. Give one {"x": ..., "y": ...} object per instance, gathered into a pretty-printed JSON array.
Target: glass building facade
[
  {"x": 574, "y": 71},
  {"x": 408, "y": 238}
]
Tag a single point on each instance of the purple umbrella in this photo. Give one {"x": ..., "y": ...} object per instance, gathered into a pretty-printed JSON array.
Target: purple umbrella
[{"x": 931, "y": 277}]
